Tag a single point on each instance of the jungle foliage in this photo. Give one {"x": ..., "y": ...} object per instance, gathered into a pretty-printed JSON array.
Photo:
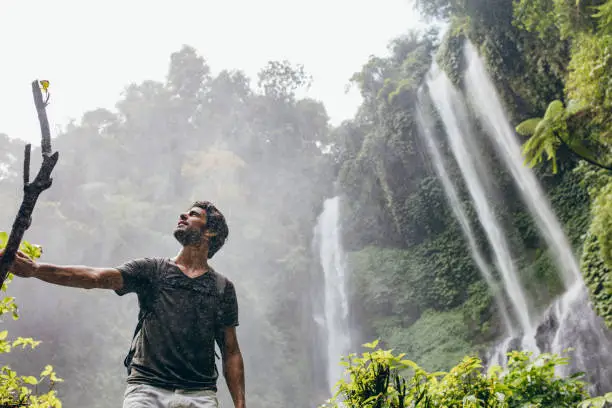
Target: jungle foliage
[
  {"x": 410, "y": 267},
  {"x": 379, "y": 378}
]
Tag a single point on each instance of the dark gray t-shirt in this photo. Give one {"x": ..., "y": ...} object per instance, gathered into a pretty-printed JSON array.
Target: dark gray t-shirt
[{"x": 176, "y": 345}]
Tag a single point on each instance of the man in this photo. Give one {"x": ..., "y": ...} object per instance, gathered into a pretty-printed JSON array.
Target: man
[{"x": 185, "y": 307}]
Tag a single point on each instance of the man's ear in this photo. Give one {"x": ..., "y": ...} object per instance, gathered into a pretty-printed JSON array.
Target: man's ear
[{"x": 209, "y": 234}]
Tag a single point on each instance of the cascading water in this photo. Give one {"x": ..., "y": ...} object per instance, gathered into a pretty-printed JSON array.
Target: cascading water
[
  {"x": 449, "y": 104},
  {"x": 569, "y": 321},
  {"x": 488, "y": 107},
  {"x": 426, "y": 127},
  {"x": 335, "y": 316}
]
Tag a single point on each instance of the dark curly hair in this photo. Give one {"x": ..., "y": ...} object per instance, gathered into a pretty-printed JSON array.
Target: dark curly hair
[{"x": 215, "y": 222}]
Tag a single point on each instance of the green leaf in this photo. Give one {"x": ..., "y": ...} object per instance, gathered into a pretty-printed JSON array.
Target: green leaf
[
  {"x": 574, "y": 107},
  {"x": 29, "y": 380},
  {"x": 554, "y": 110},
  {"x": 47, "y": 371},
  {"x": 33, "y": 251},
  {"x": 371, "y": 345},
  {"x": 528, "y": 127}
]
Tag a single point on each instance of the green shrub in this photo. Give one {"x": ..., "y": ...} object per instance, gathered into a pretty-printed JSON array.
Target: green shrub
[{"x": 381, "y": 379}]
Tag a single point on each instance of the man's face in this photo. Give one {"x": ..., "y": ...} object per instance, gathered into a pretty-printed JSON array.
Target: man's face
[{"x": 191, "y": 227}]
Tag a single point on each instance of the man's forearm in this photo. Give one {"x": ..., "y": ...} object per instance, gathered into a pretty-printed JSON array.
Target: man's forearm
[
  {"x": 75, "y": 276},
  {"x": 233, "y": 371}
]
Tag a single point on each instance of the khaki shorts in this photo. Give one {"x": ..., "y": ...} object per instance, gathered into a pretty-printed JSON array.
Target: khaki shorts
[{"x": 148, "y": 396}]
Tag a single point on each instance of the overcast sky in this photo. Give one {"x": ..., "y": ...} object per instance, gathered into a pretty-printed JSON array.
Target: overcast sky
[{"x": 90, "y": 50}]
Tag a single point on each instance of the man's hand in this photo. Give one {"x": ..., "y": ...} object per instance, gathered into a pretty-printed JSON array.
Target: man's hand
[{"x": 22, "y": 265}]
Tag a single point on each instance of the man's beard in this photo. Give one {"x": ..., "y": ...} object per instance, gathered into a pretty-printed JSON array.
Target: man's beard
[{"x": 188, "y": 236}]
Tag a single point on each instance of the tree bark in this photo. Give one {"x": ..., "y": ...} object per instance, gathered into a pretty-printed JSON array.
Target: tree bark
[{"x": 32, "y": 190}]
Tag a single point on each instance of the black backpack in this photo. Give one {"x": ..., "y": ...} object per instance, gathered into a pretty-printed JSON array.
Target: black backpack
[{"x": 221, "y": 282}]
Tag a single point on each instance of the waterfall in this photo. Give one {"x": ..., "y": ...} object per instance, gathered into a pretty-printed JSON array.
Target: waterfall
[
  {"x": 455, "y": 119},
  {"x": 489, "y": 108},
  {"x": 334, "y": 317},
  {"x": 569, "y": 321},
  {"x": 427, "y": 131}
]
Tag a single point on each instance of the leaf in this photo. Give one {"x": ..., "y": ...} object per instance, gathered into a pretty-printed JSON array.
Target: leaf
[
  {"x": 44, "y": 84},
  {"x": 33, "y": 251},
  {"x": 29, "y": 380},
  {"x": 3, "y": 334},
  {"x": 528, "y": 127},
  {"x": 574, "y": 107},
  {"x": 53, "y": 377},
  {"x": 554, "y": 110},
  {"x": 371, "y": 345},
  {"x": 410, "y": 363},
  {"x": 48, "y": 370}
]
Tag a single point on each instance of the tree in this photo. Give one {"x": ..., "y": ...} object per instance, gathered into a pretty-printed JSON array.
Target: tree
[{"x": 280, "y": 80}]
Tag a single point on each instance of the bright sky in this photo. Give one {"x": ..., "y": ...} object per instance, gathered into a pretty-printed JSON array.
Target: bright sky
[{"x": 90, "y": 50}]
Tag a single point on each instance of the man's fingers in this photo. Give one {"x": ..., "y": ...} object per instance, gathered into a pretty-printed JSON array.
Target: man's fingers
[{"x": 19, "y": 254}]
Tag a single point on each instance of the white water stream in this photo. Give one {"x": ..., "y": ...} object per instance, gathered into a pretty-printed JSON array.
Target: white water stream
[
  {"x": 335, "y": 316},
  {"x": 451, "y": 107}
]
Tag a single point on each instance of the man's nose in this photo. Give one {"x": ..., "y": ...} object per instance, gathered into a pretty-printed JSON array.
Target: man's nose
[{"x": 183, "y": 216}]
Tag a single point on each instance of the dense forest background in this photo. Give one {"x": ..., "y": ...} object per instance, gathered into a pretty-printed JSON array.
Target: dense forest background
[{"x": 268, "y": 159}]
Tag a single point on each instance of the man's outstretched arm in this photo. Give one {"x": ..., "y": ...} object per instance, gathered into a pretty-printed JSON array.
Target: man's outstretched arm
[
  {"x": 84, "y": 277},
  {"x": 233, "y": 368}
]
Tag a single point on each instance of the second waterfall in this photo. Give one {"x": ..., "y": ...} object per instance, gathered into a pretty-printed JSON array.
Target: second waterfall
[{"x": 333, "y": 318}]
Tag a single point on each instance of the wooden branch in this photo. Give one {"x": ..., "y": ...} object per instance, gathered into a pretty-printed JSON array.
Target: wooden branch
[
  {"x": 42, "y": 118},
  {"x": 32, "y": 190},
  {"x": 26, "y": 164}
]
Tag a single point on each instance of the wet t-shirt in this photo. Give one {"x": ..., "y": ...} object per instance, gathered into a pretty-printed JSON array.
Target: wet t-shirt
[{"x": 176, "y": 346}]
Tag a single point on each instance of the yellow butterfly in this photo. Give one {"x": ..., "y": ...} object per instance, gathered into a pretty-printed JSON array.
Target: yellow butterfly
[{"x": 45, "y": 85}]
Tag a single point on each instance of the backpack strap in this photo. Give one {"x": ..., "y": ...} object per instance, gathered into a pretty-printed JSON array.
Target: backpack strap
[
  {"x": 144, "y": 312},
  {"x": 221, "y": 282},
  {"x": 127, "y": 362}
]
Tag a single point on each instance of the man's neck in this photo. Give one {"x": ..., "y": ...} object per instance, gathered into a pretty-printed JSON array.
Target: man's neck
[{"x": 193, "y": 257}]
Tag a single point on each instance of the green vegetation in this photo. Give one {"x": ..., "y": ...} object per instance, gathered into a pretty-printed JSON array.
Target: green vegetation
[
  {"x": 255, "y": 151},
  {"x": 23, "y": 390},
  {"x": 411, "y": 271},
  {"x": 585, "y": 125},
  {"x": 381, "y": 379}
]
